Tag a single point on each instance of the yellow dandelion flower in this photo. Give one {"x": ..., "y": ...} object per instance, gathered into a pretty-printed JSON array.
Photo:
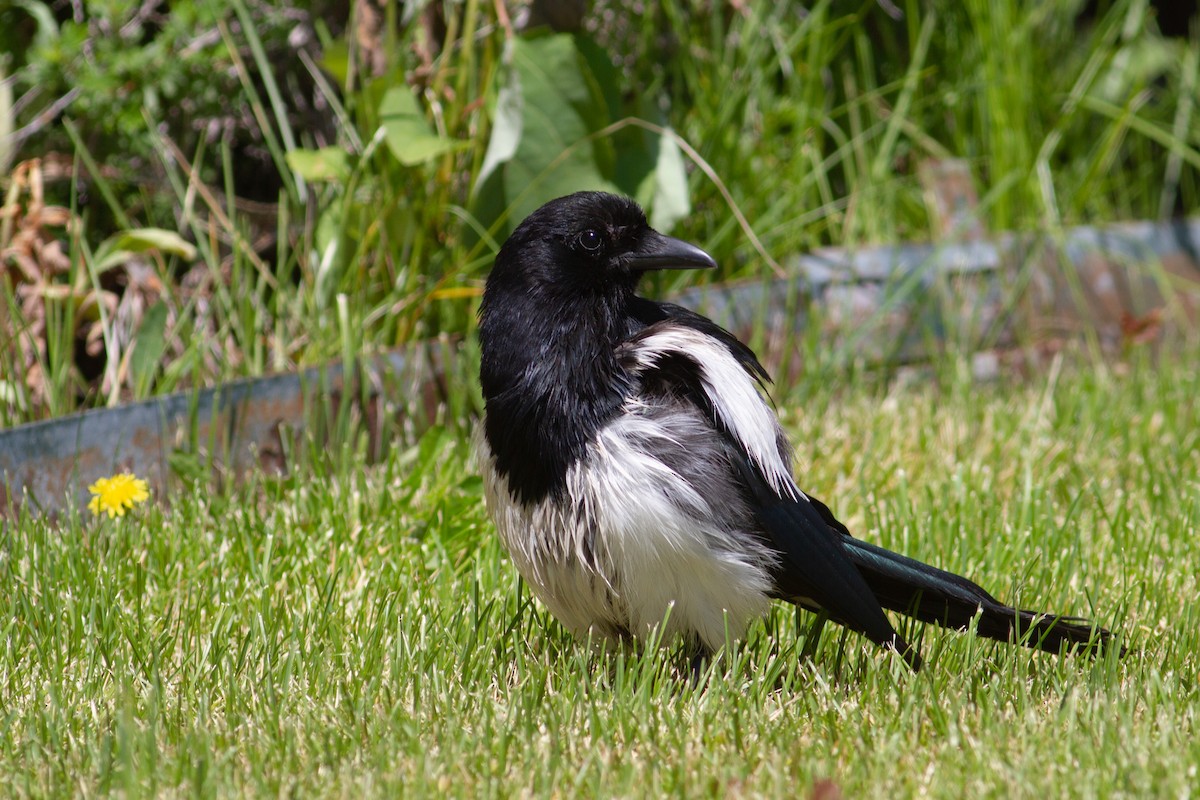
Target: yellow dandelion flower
[{"x": 117, "y": 494}]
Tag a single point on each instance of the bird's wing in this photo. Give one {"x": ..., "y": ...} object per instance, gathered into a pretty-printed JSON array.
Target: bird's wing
[
  {"x": 737, "y": 348},
  {"x": 694, "y": 360}
]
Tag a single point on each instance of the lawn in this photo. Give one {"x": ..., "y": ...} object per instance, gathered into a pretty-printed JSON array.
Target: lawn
[
  {"x": 356, "y": 631},
  {"x": 195, "y": 192}
]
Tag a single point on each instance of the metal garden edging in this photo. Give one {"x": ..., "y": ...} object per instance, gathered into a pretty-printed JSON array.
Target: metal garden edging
[{"x": 876, "y": 303}]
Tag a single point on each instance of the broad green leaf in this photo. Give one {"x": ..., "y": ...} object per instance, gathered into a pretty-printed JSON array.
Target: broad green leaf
[
  {"x": 151, "y": 341},
  {"x": 139, "y": 240},
  {"x": 561, "y": 108},
  {"x": 557, "y": 97},
  {"x": 117, "y": 249},
  {"x": 335, "y": 59},
  {"x": 671, "y": 201},
  {"x": 506, "y": 130},
  {"x": 406, "y": 131},
  {"x": 326, "y": 164},
  {"x": 331, "y": 257}
]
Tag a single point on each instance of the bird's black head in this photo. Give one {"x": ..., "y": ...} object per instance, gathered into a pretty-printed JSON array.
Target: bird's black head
[
  {"x": 589, "y": 242},
  {"x": 558, "y": 302}
]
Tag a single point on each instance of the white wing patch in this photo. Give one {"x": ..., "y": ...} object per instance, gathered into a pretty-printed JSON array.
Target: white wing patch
[{"x": 734, "y": 395}]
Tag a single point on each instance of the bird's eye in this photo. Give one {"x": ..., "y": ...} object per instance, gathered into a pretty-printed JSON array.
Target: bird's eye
[{"x": 591, "y": 241}]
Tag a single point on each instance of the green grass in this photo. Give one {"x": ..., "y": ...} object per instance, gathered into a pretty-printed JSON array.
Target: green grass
[{"x": 357, "y": 632}]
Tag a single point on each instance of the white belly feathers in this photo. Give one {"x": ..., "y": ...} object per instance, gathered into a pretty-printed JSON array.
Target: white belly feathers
[{"x": 635, "y": 537}]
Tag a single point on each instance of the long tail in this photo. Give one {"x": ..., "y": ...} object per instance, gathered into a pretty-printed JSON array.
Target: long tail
[{"x": 930, "y": 594}]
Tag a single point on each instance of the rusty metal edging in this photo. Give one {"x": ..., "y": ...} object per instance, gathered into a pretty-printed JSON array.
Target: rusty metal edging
[
  {"x": 884, "y": 303},
  {"x": 239, "y": 425},
  {"x": 875, "y": 303}
]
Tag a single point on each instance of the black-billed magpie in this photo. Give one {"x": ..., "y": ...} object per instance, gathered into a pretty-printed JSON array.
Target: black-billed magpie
[{"x": 636, "y": 472}]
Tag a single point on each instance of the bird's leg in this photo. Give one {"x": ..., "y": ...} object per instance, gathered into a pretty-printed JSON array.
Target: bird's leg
[
  {"x": 813, "y": 637},
  {"x": 698, "y": 656}
]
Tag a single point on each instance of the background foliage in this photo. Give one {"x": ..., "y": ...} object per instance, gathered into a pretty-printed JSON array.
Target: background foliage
[{"x": 302, "y": 177}]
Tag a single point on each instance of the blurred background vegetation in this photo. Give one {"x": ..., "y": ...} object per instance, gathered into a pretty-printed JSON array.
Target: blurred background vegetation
[{"x": 195, "y": 191}]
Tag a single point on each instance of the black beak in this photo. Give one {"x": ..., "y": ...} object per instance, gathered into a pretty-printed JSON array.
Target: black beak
[{"x": 656, "y": 251}]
